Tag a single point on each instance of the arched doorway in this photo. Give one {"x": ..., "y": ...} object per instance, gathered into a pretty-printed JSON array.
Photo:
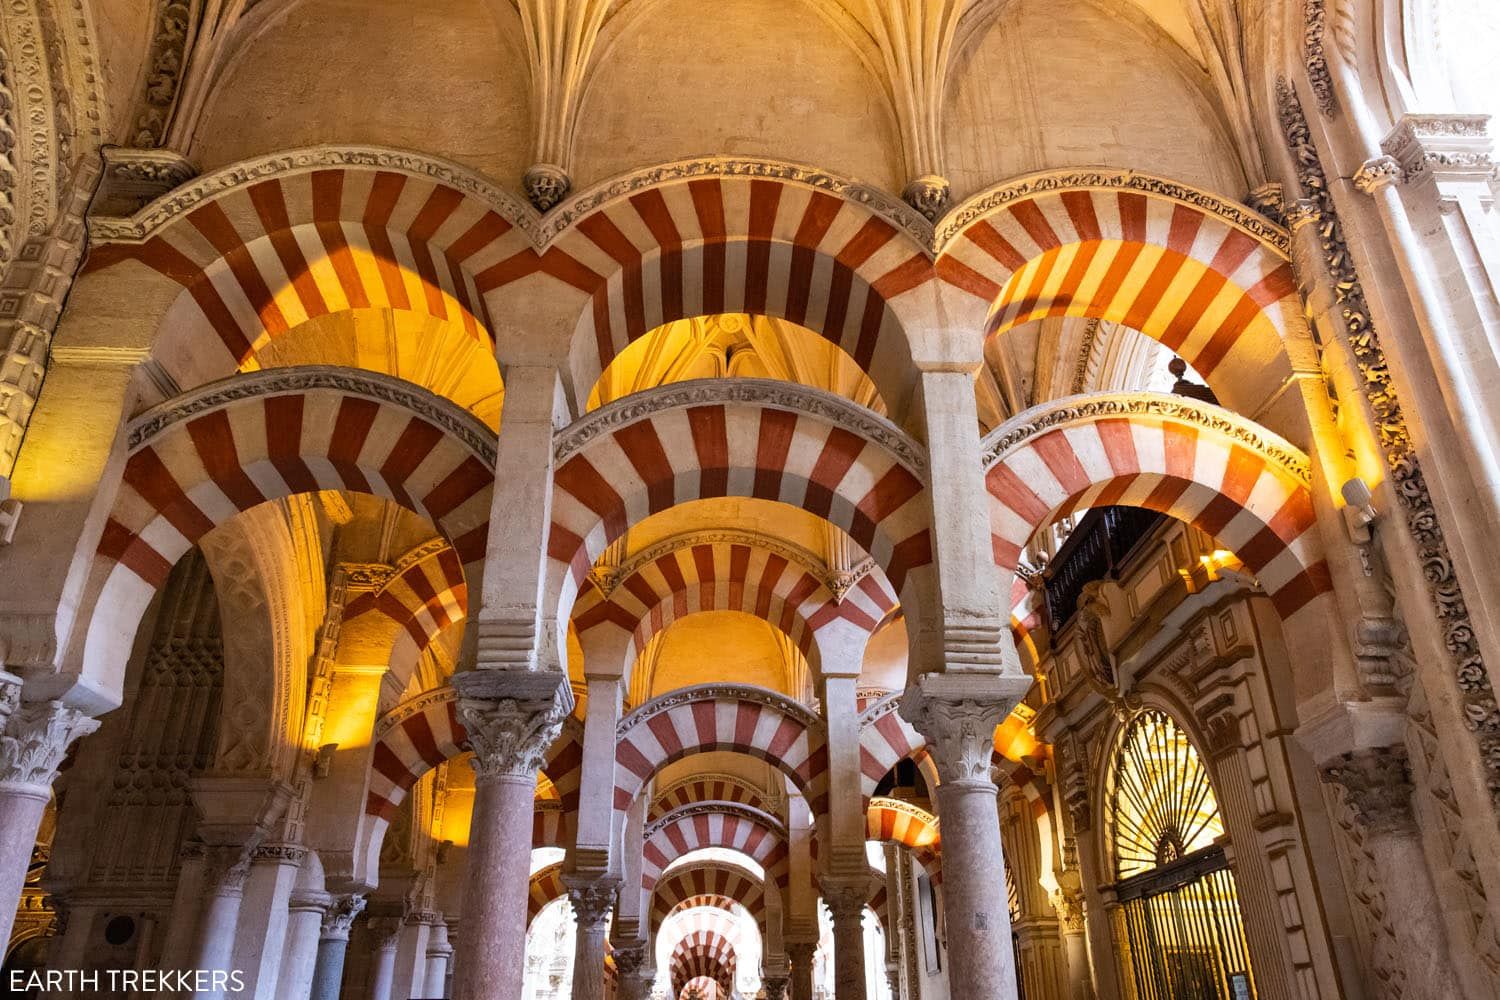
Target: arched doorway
[{"x": 1179, "y": 932}]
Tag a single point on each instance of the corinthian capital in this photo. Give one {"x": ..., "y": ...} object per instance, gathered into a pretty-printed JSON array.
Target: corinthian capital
[
  {"x": 958, "y": 713},
  {"x": 1377, "y": 786},
  {"x": 846, "y": 897},
  {"x": 512, "y": 718},
  {"x": 592, "y": 899},
  {"x": 36, "y": 738},
  {"x": 341, "y": 914}
]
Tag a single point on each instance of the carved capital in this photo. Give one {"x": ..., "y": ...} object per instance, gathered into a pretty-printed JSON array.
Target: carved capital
[
  {"x": 846, "y": 897},
  {"x": 958, "y": 714},
  {"x": 801, "y": 953},
  {"x": 36, "y": 737},
  {"x": 512, "y": 718},
  {"x": 341, "y": 914},
  {"x": 384, "y": 932},
  {"x": 1376, "y": 173},
  {"x": 1068, "y": 902},
  {"x": 225, "y": 868},
  {"x": 630, "y": 957},
  {"x": 592, "y": 899},
  {"x": 1377, "y": 785}
]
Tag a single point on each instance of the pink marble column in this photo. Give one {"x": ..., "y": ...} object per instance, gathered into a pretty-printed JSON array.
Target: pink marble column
[
  {"x": 592, "y": 900},
  {"x": 37, "y": 737},
  {"x": 846, "y": 901},
  {"x": 512, "y": 718},
  {"x": 958, "y": 713}
]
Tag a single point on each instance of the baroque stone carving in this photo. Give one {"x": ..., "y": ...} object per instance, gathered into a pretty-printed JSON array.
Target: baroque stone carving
[
  {"x": 1480, "y": 711},
  {"x": 782, "y": 395},
  {"x": 996, "y": 198},
  {"x": 1314, "y": 58},
  {"x": 1377, "y": 785},
  {"x": 1098, "y": 657},
  {"x": 461, "y": 424},
  {"x": 36, "y": 738},
  {"x": 163, "y": 72},
  {"x": 710, "y": 692},
  {"x": 1025, "y": 426},
  {"x": 510, "y": 737}
]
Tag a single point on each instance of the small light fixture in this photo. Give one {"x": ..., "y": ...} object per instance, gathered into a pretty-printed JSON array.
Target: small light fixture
[{"x": 323, "y": 760}]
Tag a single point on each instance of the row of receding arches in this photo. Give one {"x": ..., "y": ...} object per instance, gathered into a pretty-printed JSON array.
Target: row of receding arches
[{"x": 268, "y": 260}]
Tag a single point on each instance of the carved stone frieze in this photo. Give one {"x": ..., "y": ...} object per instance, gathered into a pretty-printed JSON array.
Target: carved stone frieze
[
  {"x": 996, "y": 198},
  {"x": 463, "y": 425},
  {"x": 710, "y": 692},
  {"x": 164, "y": 70},
  {"x": 765, "y": 392},
  {"x": 1314, "y": 57},
  {"x": 1025, "y": 426},
  {"x": 1480, "y": 711},
  {"x": 1377, "y": 785},
  {"x": 1441, "y": 145},
  {"x": 36, "y": 738}
]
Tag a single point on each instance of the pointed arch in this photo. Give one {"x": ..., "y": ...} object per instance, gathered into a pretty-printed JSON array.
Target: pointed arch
[
  {"x": 727, "y": 717},
  {"x": 1200, "y": 463},
  {"x": 1209, "y": 279},
  {"x": 204, "y": 457},
  {"x": 746, "y": 438}
]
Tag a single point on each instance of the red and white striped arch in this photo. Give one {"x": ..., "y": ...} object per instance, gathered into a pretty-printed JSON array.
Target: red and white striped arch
[
  {"x": 1026, "y": 621},
  {"x": 714, "y": 576},
  {"x": 740, "y": 438},
  {"x": 704, "y": 953},
  {"x": 1207, "y": 278},
  {"x": 757, "y": 835},
  {"x": 545, "y": 888},
  {"x": 1227, "y": 476},
  {"x": 892, "y": 821},
  {"x": 706, "y": 788},
  {"x": 202, "y": 458},
  {"x": 257, "y": 258},
  {"x": 886, "y": 739},
  {"x": 418, "y": 604},
  {"x": 722, "y": 717},
  {"x": 706, "y": 884},
  {"x": 762, "y": 245}
]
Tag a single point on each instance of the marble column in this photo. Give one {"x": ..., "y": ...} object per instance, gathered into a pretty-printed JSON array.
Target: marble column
[
  {"x": 34, "y": 738},
  {"x": 846, "y": 901},
  {"x": 261, "y": 927},
  {"x": 225, "y": 869},
  {"x": 635, "y": 977},
  {"x": 512, "y": 718},
  {"x": 304, "y": 927},
  {"x": 957, "y": 712},
  {"x": 385, "y": 935},
  {"x": 592, "y": 901},
  {"x": 801, "y": 955},
  {"x": 410, "y": 977},
  {"x": 439, "y": 951},
  {"x": 1377, "y": 785},
  {"x": 333, "y": 943}
]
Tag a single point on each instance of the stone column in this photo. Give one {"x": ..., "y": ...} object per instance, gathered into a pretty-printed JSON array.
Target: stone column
[
  {"x": 592, "y": 900},
  {"x": 957, "y": 712},
  {"x": 385, "y": 934},
  {"x": 635, "y": 978},
  {"x": 328, "y": 973},
  {"x": 1068, "y": 902},
  {"x": 33, "y": 741},
  {"x": 775, "y": 987},
  {"x": 261, "y": 928},
  {"x": 225, "y": 869},
  {"x": 801, "y": 955},
  {"x": 512, "y": 717},
  {"x": 439, "y": 951},
  {"x": 410, "y": 978},
  {"x": 1377, "y": 785},
  {"x": 846, "y": 901},
  {"x": 304, "y": 928}
]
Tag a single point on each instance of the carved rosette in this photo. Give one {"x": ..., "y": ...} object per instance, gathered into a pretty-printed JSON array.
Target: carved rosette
[
  {"x": 340, "y": 916},
  {"x": 1377, "y": 785},
  {"x": 509, "y": 736},
  {"x": 36, "y": 738},
  {"x": 592, "y": 900}
]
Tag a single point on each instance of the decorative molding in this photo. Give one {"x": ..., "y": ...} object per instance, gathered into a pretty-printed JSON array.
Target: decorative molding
[
  {"x": 1440, "y": 145},
  {"x": 712, "y": 692},
  {"x": 1376, "y": 173},
  {"x": 735, "y": 809},
  {"x": 461, "y": 424},
  {"x": 1409, "y": 486},
  {"x": 1314, "y": 58},
  {"x": 164, "y": 69},
  {"x": 11, "y": 211},
  {"x": 1025, "y": 426},
  {"x": 1085, "y": 354},
  {"x": 133, "y": 178},
  {"x": 291, "y": 854},
  {"x": 1101, "y": 178},
  {"x": 747, "y": 391},
  {"x": 907, "y": 809}
]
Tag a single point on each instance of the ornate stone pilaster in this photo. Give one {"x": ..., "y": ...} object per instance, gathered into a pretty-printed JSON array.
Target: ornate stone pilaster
[{"x": 1377, "y": 785}]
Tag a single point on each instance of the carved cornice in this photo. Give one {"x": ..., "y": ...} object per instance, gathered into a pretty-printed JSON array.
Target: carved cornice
[
  {"x": 711, "y": 692},
  {"x": 1025, "y": 426},
  {"x": 735, "y": 809},
  {"x": 755, "y": 392},
  {"x": 461, "y": 424},
  {"x": 1442, "y": 145},
  {"x": 1101, "y": 178},
  {"x": 1409, "y": 485}
]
